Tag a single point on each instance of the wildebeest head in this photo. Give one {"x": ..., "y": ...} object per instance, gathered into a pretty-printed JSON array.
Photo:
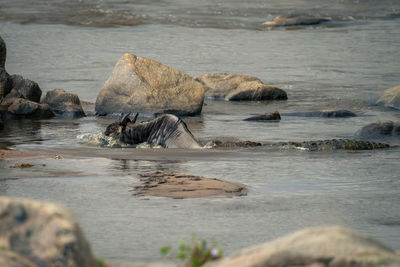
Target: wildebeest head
[{"x": 117, "y": 128}]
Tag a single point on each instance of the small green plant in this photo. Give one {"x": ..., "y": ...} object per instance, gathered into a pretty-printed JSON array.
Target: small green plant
[
  {"x": 100, "y": 263},
  {"x": 196, "y": 254}
]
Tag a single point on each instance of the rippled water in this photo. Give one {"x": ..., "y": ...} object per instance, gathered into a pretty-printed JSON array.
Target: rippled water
[{"x": 344, "y": 65}]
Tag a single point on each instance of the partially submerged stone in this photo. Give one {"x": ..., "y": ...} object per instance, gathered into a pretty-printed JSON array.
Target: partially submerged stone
[
  {"x": 23, "y": 108},
  {"x": 218, "y": 85},
  {"x": 256, "y": 91},
  {"x": 5, "y": 83},
  {"x": 331, "y": 246},
  {"x": 340, "y": 113},
  {"x": 146, "y": 86},
  {"x": 185, "y": 186},
  {"x": 43, "y": 234},
  {"x": 380, "y": 129},
  {"x": 295, "y": 20},
  {"x": 390, "y": 98},
  {"x": 269, "y": 116},
  {"x": 237, "y": 87},
  {"x": 64, "y": 103},
  {"x": 28, "y": 89}
]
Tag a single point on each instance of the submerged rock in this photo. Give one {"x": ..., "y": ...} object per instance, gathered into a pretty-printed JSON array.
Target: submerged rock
[
  {"x": 63, "y": 103},
  {"x": 341, "y": 113},
  {"x": 167, "y": 131},
  {"x": 185, "y": 186},
  {"x": 270, "y": 116},
  {"x": 380, "y": 129},
  {"x": 295, "y": 20},
  {"x": 237, "y": 87},
  {"x": 256, "y": 91},
  {"x": 218, "y": 85},
  {"x": 34, "y": 233},
  {"x": 331, "y": 246},
  {"x": 3, "y": 53},
  {"x": 146, "y": 86},
  {"x": 23, "y": 108},
  {"x": 26, "y": 88},
  {"x": 390, "y": 98}
]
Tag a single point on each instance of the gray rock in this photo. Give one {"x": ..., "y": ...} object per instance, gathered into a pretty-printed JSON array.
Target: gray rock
[
  {"x": 23, "y": 108},
  {"x": 146, "y": 86},
  {"x": 270, "y": 116},
  {"x": 5, "y": 83},
  {"x": 44, "y": 234},
  {"x": 341, "y": 113},
  {"x": 256, "y": 91},
  {"x": 219, "y": 85},
  {"x": 63, "y": 103},
  {"x": 3, "y": 53},
  {"x": 390, "y": 98},
  {"x": 328, "y": 246},
  {"x": 28, "y": 89},
  {"x": 295, "y": 20},
  {"x": 380, "y": 129}
]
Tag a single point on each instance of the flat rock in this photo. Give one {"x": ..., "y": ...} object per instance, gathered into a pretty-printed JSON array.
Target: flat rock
[
  {"x": 63, "y": 103},
  {"x": 380, "y": 129},
  {"x": 256, "y": 91},
  {"x": 329, "y": 246},
  {"x": 218, "y": 85},
  {"x": 390, "y": 98},
  {"x": 44, "y": 234},
  {"x": 269, "y": 116},
  {"x": 185, "y": 186},
  {"x": 143, "y": 85},
  {"x": 28, "y": 89},
  {"x": 3, "y": 53},
  {"x": 295, "y": 20},
  {"x": 340, "y": 113},
  {"x": 23, "y": 108}
]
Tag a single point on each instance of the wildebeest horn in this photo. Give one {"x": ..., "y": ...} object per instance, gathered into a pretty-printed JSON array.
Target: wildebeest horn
[
  {"x": 125, "y": 119},
  {"x": 135, "y": 118}
]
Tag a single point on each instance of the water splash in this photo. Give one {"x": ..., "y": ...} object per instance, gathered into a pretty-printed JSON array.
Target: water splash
[{"x": 99, "y": 140}]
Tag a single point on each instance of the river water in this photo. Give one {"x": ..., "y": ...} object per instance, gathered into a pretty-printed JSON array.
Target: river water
[{"x": 344, "y": 64}]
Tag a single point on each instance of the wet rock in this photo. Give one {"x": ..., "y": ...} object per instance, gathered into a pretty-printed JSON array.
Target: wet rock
[
  {"x": 341, "y": 113},
  {"x": 270, "y": 116},
  {"x": 256, "y": 91},
  {"x": 390, "y": 98},
  {"x": 3, "y": 53},
  {"x": 185, "y": 186},
  {"x": 331, "y": 246},
  {"x": 295, "y": 20},
  {"x": 41, "y": 233},
  {"x": 28, "y": 89},
  {"x": 218, "y": 85},
  {"x": 63, "y": 103},
  {"x": 333, "y": 144},
  {"x": 146, "y": 86},
  {"x": 5, "y": 83},
  {"x": 380, "y": 129},
  {"x": 23, "y": 108}
]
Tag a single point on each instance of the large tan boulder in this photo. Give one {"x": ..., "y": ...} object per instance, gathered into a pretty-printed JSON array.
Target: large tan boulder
[
  {"x": 320, "y": 246},
  {"x": 43, "y": 234},
  {"x": 238, "y": 87},
  {"x": 390, "y": 98},
  {"x": 143, "y": 85}
]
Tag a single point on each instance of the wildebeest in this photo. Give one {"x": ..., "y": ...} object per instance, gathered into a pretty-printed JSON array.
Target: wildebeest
[{"x": 167, "y": 131}]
